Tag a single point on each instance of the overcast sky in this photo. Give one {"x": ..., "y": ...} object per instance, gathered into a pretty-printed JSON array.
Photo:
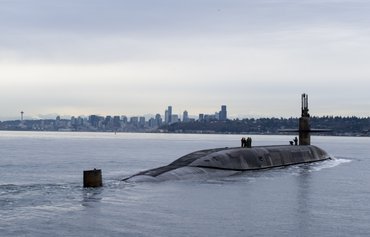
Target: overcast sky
[{"x": 118, "y": 57}]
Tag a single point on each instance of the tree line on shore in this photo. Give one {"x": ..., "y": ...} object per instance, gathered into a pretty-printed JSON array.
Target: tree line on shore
[{"x": 339, "y": 125}]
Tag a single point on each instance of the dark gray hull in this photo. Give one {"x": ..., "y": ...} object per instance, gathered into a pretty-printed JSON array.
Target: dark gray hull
[{"x": 232, "y": 160}]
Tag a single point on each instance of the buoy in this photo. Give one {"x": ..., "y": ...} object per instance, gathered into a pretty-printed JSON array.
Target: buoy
[{"x": 92, "y": 178}]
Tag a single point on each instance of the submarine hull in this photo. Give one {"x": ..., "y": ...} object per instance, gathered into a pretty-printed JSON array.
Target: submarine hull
[{"x": 228, "y": 161}]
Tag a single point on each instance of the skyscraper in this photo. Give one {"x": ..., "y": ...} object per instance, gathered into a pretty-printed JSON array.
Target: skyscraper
[
  {"x": 168, "y": 115},
  {"x": 185, "y": 117},
  {"x": 201, "y": 117},
  {"x": 158, "y": 120},
  {"x": 174, "y": 118},
  {"x": 223, "y": 113}
]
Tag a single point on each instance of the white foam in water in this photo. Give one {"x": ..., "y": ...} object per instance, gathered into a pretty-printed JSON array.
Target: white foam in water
[
  {"x": 330, "y": 163},
  {"x": 191, "y": 173}
]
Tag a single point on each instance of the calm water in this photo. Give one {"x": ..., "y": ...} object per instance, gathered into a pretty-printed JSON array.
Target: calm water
[{"x": 41, "y": 193}]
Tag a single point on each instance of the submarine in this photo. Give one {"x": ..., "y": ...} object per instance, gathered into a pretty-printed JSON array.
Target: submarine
[{"x": 227, "y": 161}]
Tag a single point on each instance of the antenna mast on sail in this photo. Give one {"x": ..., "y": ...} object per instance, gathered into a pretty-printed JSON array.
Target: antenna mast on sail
[{"x": 304, "y": 123}]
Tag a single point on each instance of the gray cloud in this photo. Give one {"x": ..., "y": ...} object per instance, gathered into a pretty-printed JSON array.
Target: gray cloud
[{"x": 139, "y": 56}]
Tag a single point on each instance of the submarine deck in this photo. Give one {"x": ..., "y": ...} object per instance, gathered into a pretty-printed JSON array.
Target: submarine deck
[{"x": 242, "y": 159}]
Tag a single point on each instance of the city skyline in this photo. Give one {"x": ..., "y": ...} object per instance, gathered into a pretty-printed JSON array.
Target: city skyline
[
  {"x": 92, "y": 57},
  {"x": 205, "y": 123},
  {"x": 222, "y": 115}
]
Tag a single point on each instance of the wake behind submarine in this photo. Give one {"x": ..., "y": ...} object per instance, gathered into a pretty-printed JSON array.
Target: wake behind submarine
[{"x": 211, "y": 162}]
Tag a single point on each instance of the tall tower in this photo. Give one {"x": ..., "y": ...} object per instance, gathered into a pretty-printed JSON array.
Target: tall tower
[
  {"x": 166, "y": 116},
  {"x": 304, "y": 123},
  {"x": 223, "y": 113},
  {"x": 169, "y": 114},
  {"x": 185, "y": 117},
  {"x": 22, "y": 115}
]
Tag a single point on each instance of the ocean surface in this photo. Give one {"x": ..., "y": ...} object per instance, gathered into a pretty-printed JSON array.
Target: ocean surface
[{"x": 41, "y": 191}]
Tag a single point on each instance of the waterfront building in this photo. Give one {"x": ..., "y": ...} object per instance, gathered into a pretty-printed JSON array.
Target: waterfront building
[
  {"x": 217, "y": 116},
  {"x": 134, "y": 121},
  {"x": 124, "y": 119},
  {"x": 174, "y": 119},
  {"x": 116, "y": 122},
  {"x": 108, "y": 122},
  {"x": 142, "y": 122},
  {"x": 73, "y": 121},
  {"x": 201, "y": 117},
  {"x": 95, "y": 120},
  {"x": 158, "y": 120},
  {"x": 152, "y": 123},
  {"x": 81, "y": 121},
  {"x": 209, "y": 117}
]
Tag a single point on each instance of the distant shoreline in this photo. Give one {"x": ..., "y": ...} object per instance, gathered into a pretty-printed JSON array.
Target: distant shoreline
[
  {"x": 193, "y": 133},
  {"x": 339, "y": 126}
]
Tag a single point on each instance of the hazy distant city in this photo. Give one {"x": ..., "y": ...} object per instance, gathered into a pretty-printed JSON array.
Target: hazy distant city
[{"x": 174, "y": 123}]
